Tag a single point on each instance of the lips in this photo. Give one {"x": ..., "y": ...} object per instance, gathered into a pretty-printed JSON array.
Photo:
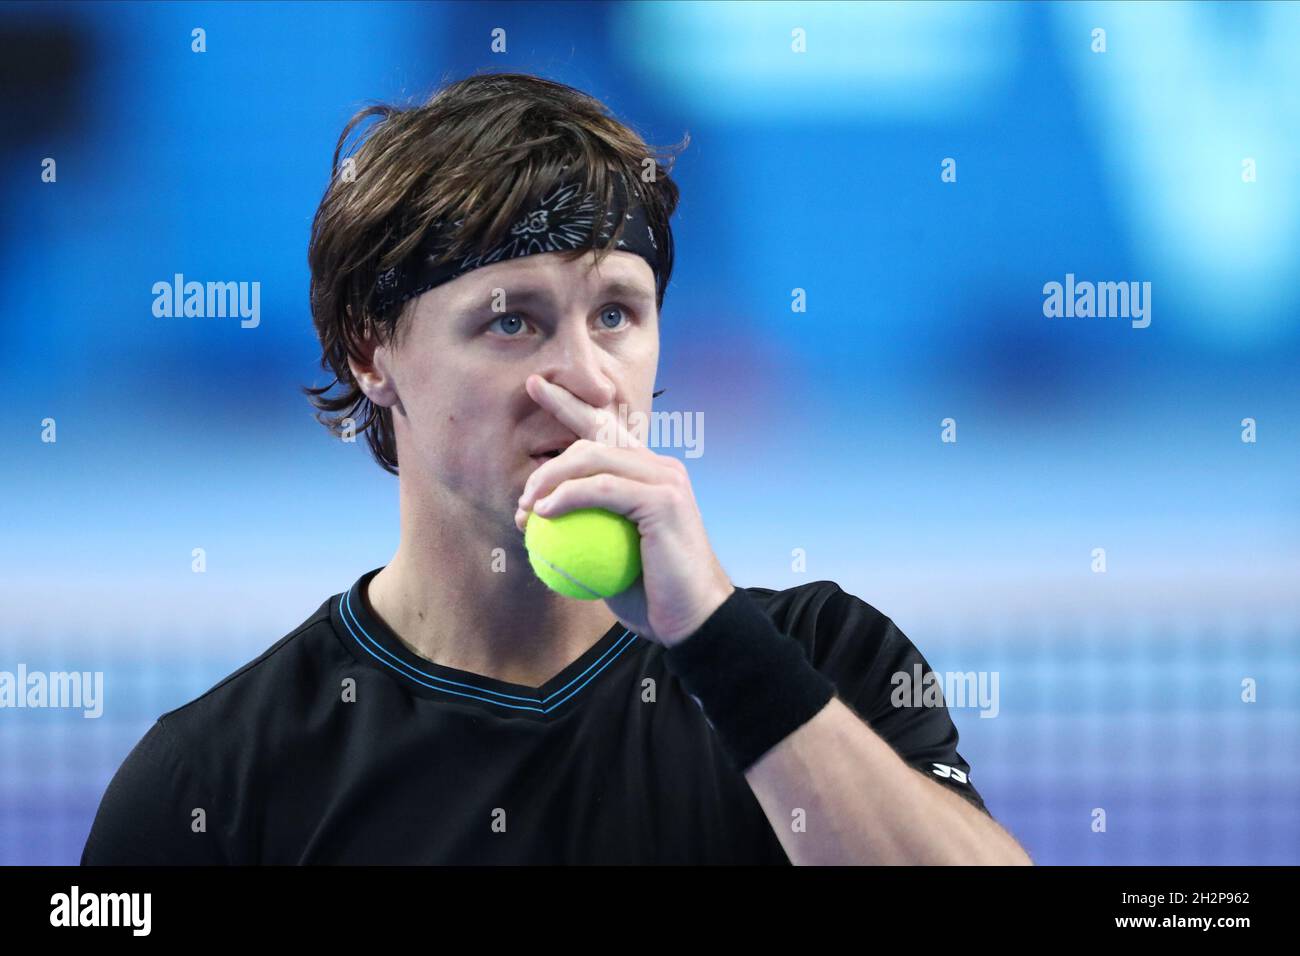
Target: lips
[{"x": 552, "y": 449}]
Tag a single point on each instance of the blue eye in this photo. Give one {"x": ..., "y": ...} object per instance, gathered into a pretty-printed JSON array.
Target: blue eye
[
  {"x": 607, "y": 311},
  {"x": 516, "y": 323},
  {"x": 508, "y": 317}
]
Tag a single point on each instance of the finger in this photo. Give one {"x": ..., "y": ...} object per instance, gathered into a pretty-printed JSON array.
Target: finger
[
  {"x": 635, "y": 500},
  {"x": 584, "y": 420},
  {"x": 585, "y": 457}
]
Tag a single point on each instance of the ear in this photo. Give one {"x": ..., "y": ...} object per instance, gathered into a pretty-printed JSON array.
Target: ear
[{"x": 374, "y": 376}]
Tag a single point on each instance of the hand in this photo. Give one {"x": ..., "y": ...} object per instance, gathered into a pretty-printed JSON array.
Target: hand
[{"x": 682, "y": 582}]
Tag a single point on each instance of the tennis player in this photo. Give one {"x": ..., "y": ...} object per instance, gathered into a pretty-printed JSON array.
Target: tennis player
[{"x": 487, "y": 274}]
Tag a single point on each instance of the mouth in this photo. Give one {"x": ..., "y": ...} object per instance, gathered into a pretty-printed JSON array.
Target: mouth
[
  {"x": 542, "y": 457},
  {"x": 546, "y": 454}
]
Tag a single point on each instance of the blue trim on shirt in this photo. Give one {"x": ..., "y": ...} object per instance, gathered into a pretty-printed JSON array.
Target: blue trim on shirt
[{"x": 402, "y": 667}]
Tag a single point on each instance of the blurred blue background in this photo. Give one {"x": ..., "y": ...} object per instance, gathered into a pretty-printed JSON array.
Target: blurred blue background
[{"x": 818, "y": 171}]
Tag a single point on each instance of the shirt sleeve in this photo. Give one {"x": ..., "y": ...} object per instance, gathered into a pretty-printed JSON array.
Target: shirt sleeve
[
  {"x": 875, "y": 667},
  {"x": 147, "y": 815}
]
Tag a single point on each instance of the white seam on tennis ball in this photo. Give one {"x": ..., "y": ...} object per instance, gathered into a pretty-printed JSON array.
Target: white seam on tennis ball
[{"x": 572, "y": 579}]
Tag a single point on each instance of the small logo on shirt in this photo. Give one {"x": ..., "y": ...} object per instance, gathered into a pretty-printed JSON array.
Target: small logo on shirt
[{"x": 943, "y": 770}]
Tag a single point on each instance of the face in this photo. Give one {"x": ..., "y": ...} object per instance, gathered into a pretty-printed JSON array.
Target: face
[{"x": 465, "y": 426}]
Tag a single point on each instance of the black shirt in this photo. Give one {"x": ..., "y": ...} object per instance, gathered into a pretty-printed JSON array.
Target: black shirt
[{"x": 340, "y": 745}]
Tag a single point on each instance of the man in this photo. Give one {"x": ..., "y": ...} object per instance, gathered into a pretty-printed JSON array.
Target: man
[{"x": 487, "y": 274}]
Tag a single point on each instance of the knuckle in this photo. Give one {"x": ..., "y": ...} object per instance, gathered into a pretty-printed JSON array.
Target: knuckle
[
  {"x": 677, "y": 475},
  {"x": 674, "y": 496}
]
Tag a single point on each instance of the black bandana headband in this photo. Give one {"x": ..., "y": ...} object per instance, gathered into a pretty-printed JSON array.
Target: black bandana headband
[{"x": 561, "y": 221}]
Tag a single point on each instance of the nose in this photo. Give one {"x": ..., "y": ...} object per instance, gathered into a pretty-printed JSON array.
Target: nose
[{"x": 575, "y": 363}]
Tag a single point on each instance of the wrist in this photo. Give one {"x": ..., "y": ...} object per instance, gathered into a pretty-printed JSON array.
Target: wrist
[
  {"x": 754, "y": 684},
  {"x": 676, "y": 635}
]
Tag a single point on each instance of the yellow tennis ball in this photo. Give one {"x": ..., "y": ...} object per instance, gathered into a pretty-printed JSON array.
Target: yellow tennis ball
[{"x": 586, "y": 554}]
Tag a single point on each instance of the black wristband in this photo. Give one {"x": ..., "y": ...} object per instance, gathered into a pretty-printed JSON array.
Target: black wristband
[{"x": 753, "y": 683}]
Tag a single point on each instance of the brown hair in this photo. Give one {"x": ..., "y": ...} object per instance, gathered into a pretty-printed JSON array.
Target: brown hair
[{"x": 482, "y": 149}]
